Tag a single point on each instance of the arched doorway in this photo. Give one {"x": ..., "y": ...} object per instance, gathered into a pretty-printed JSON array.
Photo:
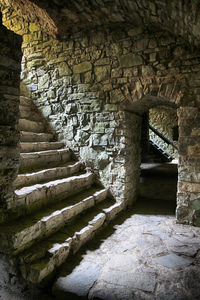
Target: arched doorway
[{"x": 157, "y": 110}]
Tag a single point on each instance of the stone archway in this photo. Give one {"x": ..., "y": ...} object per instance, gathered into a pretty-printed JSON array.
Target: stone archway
[
  {"x": 188, "y": 207},
  {"x": 133, "y": 120}
]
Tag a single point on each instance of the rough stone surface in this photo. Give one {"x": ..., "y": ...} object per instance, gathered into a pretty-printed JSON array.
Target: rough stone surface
[
  {"x": 10, "y": 59},
  {"x": 93, "y": 88},
  {"x": 84, "y": 84},
  {"x": 62, "y": 19},
  {"x": 188, "y": 197},
  {"x": 164, "y": 120},
  {"x": 172, "y": 261},
  {"x": 80, "y": 281},
  {"x": 136, "y": 258},
  {"x": 49, "y": 208}
]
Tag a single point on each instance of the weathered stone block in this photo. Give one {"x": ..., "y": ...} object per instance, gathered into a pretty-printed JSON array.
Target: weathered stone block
[
  {"x": 130, "y": 60},
  {"x": 64, "y": 69},
  {"x": 82, "y": 67},
  {"x": 102, "y": 73},
  {"x": 116, "y": 96},
  {"x": 196, "y": 204},
  {"x": 33, "y": 27},
  {"x": 44, "y": 82}
]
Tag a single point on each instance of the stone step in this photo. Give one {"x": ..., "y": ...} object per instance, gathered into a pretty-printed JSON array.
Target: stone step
[
  {"x": 31, "y": 126},
  {"x": 47, "y": 174},
  {"x": 40, "y": 146},
  {"x": 32, "y": 198},
  {"x": 38, "y": 160},
  {"x": 41, "y": 260},
  {"x": 26, "y": 136},
  {"x": 25, "y": 112},
  {"x": 17, "y": 236},
  {"x": 25, "y": 101}
]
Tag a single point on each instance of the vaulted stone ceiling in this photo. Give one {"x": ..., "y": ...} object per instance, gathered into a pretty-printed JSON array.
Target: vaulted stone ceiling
[{"x": 62, "y": 17}]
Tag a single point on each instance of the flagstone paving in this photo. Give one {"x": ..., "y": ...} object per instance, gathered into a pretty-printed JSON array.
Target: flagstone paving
[{"x": 144, "y": 256}]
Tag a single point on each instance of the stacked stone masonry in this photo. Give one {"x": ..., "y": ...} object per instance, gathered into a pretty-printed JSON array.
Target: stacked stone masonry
[
  {"x": 61, "y": 19},
  {"x": 164, "y": 120},
  {"x": 188, "y": 209},
  {"x": 92, "y": 82},
  {"x": 93, "y": 88},
  {"x": 59, "y": 204}
]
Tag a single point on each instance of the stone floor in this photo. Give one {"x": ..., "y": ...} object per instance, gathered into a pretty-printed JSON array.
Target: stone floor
[{"x": 144, "y": 255}]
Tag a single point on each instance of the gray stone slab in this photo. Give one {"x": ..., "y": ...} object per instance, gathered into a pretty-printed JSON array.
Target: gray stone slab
[
  {"x": 122, "y": 262},
  {"x": 172, "y": 261},
  {"x": 141, "y": 242},
  {"x": 78, "y": 282},
  {"x": 136, "y": 280},
  {"x": 185, "y": 250},
  {"x": 106, "y": 291}
]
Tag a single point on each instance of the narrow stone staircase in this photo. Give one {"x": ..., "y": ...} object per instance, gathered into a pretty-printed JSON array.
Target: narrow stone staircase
[{"x": 57, "y": 206}]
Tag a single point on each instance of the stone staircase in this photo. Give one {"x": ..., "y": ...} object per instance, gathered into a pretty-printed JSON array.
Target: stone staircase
[{"x": 57, "y": 206}]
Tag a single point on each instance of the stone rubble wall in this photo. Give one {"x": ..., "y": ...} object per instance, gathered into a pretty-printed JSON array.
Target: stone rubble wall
[
  {"x": 62, "y": 18},
  {"x": 80, "y": 86},
  {"x": 10, "y": 66},
  {"x": 188, "y": 208},
  {"x": 164, "y": 119}
]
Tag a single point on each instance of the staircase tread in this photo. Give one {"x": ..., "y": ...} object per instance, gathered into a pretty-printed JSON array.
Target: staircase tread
[
  {"x": 42, "y": 143},
  {"x": 27, "y": 147},
  {"x": 43, "y": 170},
  {"x": 26, "y": 108},
  {"x": 29, "y": 189},
  {"x": 78, "y": 224},
  {"x": 77, "y": 206},
  {"x": 35, "y": 133},
  {"x": 15, "y": 226},
  {"x": 53, "y": 151},
  {"x": 51, "y": 165},
  {"x": 31, "y": 121}
]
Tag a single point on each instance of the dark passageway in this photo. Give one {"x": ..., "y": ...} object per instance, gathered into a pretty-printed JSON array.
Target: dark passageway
[{"x": 158, "y": 182}]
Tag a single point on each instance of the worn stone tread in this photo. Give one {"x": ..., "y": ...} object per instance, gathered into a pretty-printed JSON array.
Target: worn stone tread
[
  {"x": 32, "y": 198},
  {"x": 16, "y": 236},
  {"x": 40, "y": 146},
  {"x": 31, "y": 126},
  {"x": 40, "y": 261},
  {"x": 26, "y": 101},
  {"x": 26, "y": 136},
  {"x": 26, "y": 112},
  {"x": 45, "y": 175},
  {"x": 41, "y": 159}
]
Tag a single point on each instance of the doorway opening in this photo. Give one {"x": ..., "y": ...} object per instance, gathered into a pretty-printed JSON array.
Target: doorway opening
[{"x": 159, "y": 159}]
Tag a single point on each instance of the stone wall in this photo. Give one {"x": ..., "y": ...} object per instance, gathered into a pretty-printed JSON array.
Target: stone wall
[
  {"x": 10, "y": 66},
  {"x": 83, "y": 85},
  {"x": 79, "y": 86},
  {"x": 164, "y": 120},
  {"x": 188, "y": 201},
  {"x": 62, "y": 18}
]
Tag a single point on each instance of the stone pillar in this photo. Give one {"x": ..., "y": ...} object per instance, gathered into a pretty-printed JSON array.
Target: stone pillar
[
  {"x": 10, "y": 65},
  {"x": 188, "y": 197},
  {"x": 132, "y": 155}
]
